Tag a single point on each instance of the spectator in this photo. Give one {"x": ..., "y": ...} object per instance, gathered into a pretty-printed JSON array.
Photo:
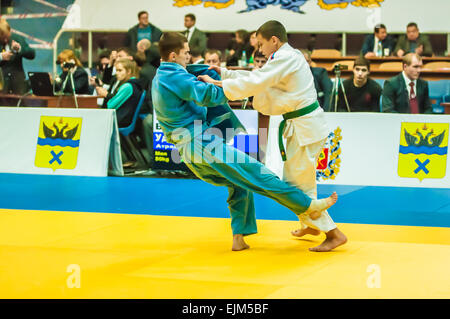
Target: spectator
[
  {"x": 370, "y": 46},
  {"x": 259, "y": 60},
  {"x": 213, "y": 57},
  {"x": 236, "y": 47},
  {"x": 143, "y": 30},
  {"x": 127, "y": 96},
  {"x": 406, "y": 93},
  {"x": 196, "y": 38},
  {"x": 363, "y": 93},
  {"x": 108, "y": 74},
  {"x": 413, "y": 42},
  {"x": 107, "y": 88},
  {"x": 71, "y": 65},
  {"x": 14, "y": 49},
  {"x": 103, "y": 62},
  {"x": 322, "y": 82}
]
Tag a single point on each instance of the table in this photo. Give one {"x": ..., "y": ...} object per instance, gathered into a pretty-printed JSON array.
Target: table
[{"x": 63, "y": 101}]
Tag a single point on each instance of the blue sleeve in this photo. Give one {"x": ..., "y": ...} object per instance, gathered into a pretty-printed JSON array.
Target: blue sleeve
[
  {"x": 188, "y": 88},
  {"x": 124, "y": 93}
]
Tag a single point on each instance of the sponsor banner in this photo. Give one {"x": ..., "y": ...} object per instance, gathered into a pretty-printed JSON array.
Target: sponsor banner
[
  {"x": 165, "y": 152},
  {"x": 59, "y": 141},
  {"x": 378, "y": 150}
]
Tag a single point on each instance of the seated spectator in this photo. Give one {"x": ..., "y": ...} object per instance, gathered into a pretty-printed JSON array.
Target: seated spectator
[
  {"x": 236, "y": 47},
  {"x": 259, "y": 59},
  {"x": 143, "y": 30},
  {"x": 213, "y": 57},
  {"x": 406, "y": 93},
  {"x": 70, "y": 63},
  {"x": 196, "y": 57},
  {"x": 413, "y": 42},
  {"x": 127, "y": 96},
  {"x": 108, "y": 75},
  {"x": 146, "y": 73},
  {"x": 14, "y": 49},
  {"x": 363, "y": 93},
  {"x": 370, "y": 46},
  {"x": 103, "y": 62},
  {"x": 322, "y": 82}
]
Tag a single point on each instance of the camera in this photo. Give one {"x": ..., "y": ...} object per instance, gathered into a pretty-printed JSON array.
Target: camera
[
  {"x": 68, "y": 65},
  {"x": 340, "y": 67}
]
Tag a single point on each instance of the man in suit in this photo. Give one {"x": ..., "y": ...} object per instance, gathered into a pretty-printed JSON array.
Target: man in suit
[
  {"x": 322, "y": 82},
  {"x": 14, "y": 49},
  {"x": 414, "y": 42},
  {"x": 406, "y": 93},
  {"x": 371, "y": 42},
  {"x": 196, "y": 38},
  {"x": 142, "y": 30}
]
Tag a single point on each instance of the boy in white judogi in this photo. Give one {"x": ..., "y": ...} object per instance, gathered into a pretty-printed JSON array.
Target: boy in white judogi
[{"x": 285, "y": 86}]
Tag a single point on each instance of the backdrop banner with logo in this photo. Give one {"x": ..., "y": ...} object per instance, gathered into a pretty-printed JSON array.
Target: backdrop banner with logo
[
  {"x": 374, "y": 149},
  {"x": 55, "y": 141}
]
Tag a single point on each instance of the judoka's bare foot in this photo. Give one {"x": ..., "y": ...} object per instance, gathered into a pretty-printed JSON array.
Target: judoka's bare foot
[
  {"x": 318, "y": 205},
  {"x": 239, "y": 243},
  {"x": 305, "y": 231},
  {"x": 335, "y": 238}
]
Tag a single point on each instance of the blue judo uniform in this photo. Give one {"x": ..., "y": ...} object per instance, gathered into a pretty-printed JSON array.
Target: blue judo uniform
[{"x": 196, "y": 118}]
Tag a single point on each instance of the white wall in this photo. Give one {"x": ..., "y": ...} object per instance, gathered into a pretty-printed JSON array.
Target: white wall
[{"x": 431, "y": 16}]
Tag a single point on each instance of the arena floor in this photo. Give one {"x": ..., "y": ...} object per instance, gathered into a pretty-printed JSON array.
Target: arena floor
[{"x": 170, "y": 238}]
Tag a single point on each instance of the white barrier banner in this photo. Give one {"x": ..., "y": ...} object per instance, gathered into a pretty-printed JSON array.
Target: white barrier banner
[
  {"x": 378, "y": 150},
  {"x": 58, "y": 141}
]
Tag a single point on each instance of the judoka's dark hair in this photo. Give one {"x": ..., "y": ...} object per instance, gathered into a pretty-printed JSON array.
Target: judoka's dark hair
[
  {"x": 171, "y": 42},
  {"x": 273, "y": 29}
]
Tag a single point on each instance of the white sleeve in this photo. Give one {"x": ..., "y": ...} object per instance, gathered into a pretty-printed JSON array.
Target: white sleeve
[
  {"x": 259, "y": 80},
  {"x": 232, "y": 74}
]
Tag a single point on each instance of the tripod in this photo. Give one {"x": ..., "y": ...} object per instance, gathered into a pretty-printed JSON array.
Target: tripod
[
  {"x": 335, "y": 91},
  {"x": 63, "y": 87}
]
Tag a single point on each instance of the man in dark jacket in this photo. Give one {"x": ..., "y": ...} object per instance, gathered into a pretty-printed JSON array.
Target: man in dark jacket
[
  {"x": 14, "y": 48},
  {"x": 406, "y": 93},
  {"x": 322, "y": 83},
  {"x": 413, "y": 42},
  {"x": 371, "y": 43},
  {"x": 197, "y": 39},
  {"x": 143, "y": 30}
]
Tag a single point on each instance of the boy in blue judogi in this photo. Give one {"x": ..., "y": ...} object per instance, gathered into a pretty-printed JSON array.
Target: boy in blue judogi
[{"x": 194, "y": 115}]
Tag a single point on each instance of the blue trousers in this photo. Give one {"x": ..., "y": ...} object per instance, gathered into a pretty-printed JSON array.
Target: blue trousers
[{"x": 217, "y": 163}]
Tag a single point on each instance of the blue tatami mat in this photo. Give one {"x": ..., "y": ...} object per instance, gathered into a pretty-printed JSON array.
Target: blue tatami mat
[{"x": 185, "y": 197}]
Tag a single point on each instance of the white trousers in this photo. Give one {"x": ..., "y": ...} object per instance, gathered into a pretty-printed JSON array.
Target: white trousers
[{"x": 300, "y": 170}]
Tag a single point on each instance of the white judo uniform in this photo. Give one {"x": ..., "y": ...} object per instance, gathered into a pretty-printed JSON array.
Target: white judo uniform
[{"x": 285, "y": 84}]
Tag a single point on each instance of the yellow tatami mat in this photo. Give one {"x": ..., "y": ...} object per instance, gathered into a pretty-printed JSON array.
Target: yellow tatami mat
[{"x": 94, "y": 255}]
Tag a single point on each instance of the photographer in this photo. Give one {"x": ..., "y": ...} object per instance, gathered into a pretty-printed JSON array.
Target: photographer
[
  {"x": 13, "y": 49},
  {"x": 71, "y": 65}
]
